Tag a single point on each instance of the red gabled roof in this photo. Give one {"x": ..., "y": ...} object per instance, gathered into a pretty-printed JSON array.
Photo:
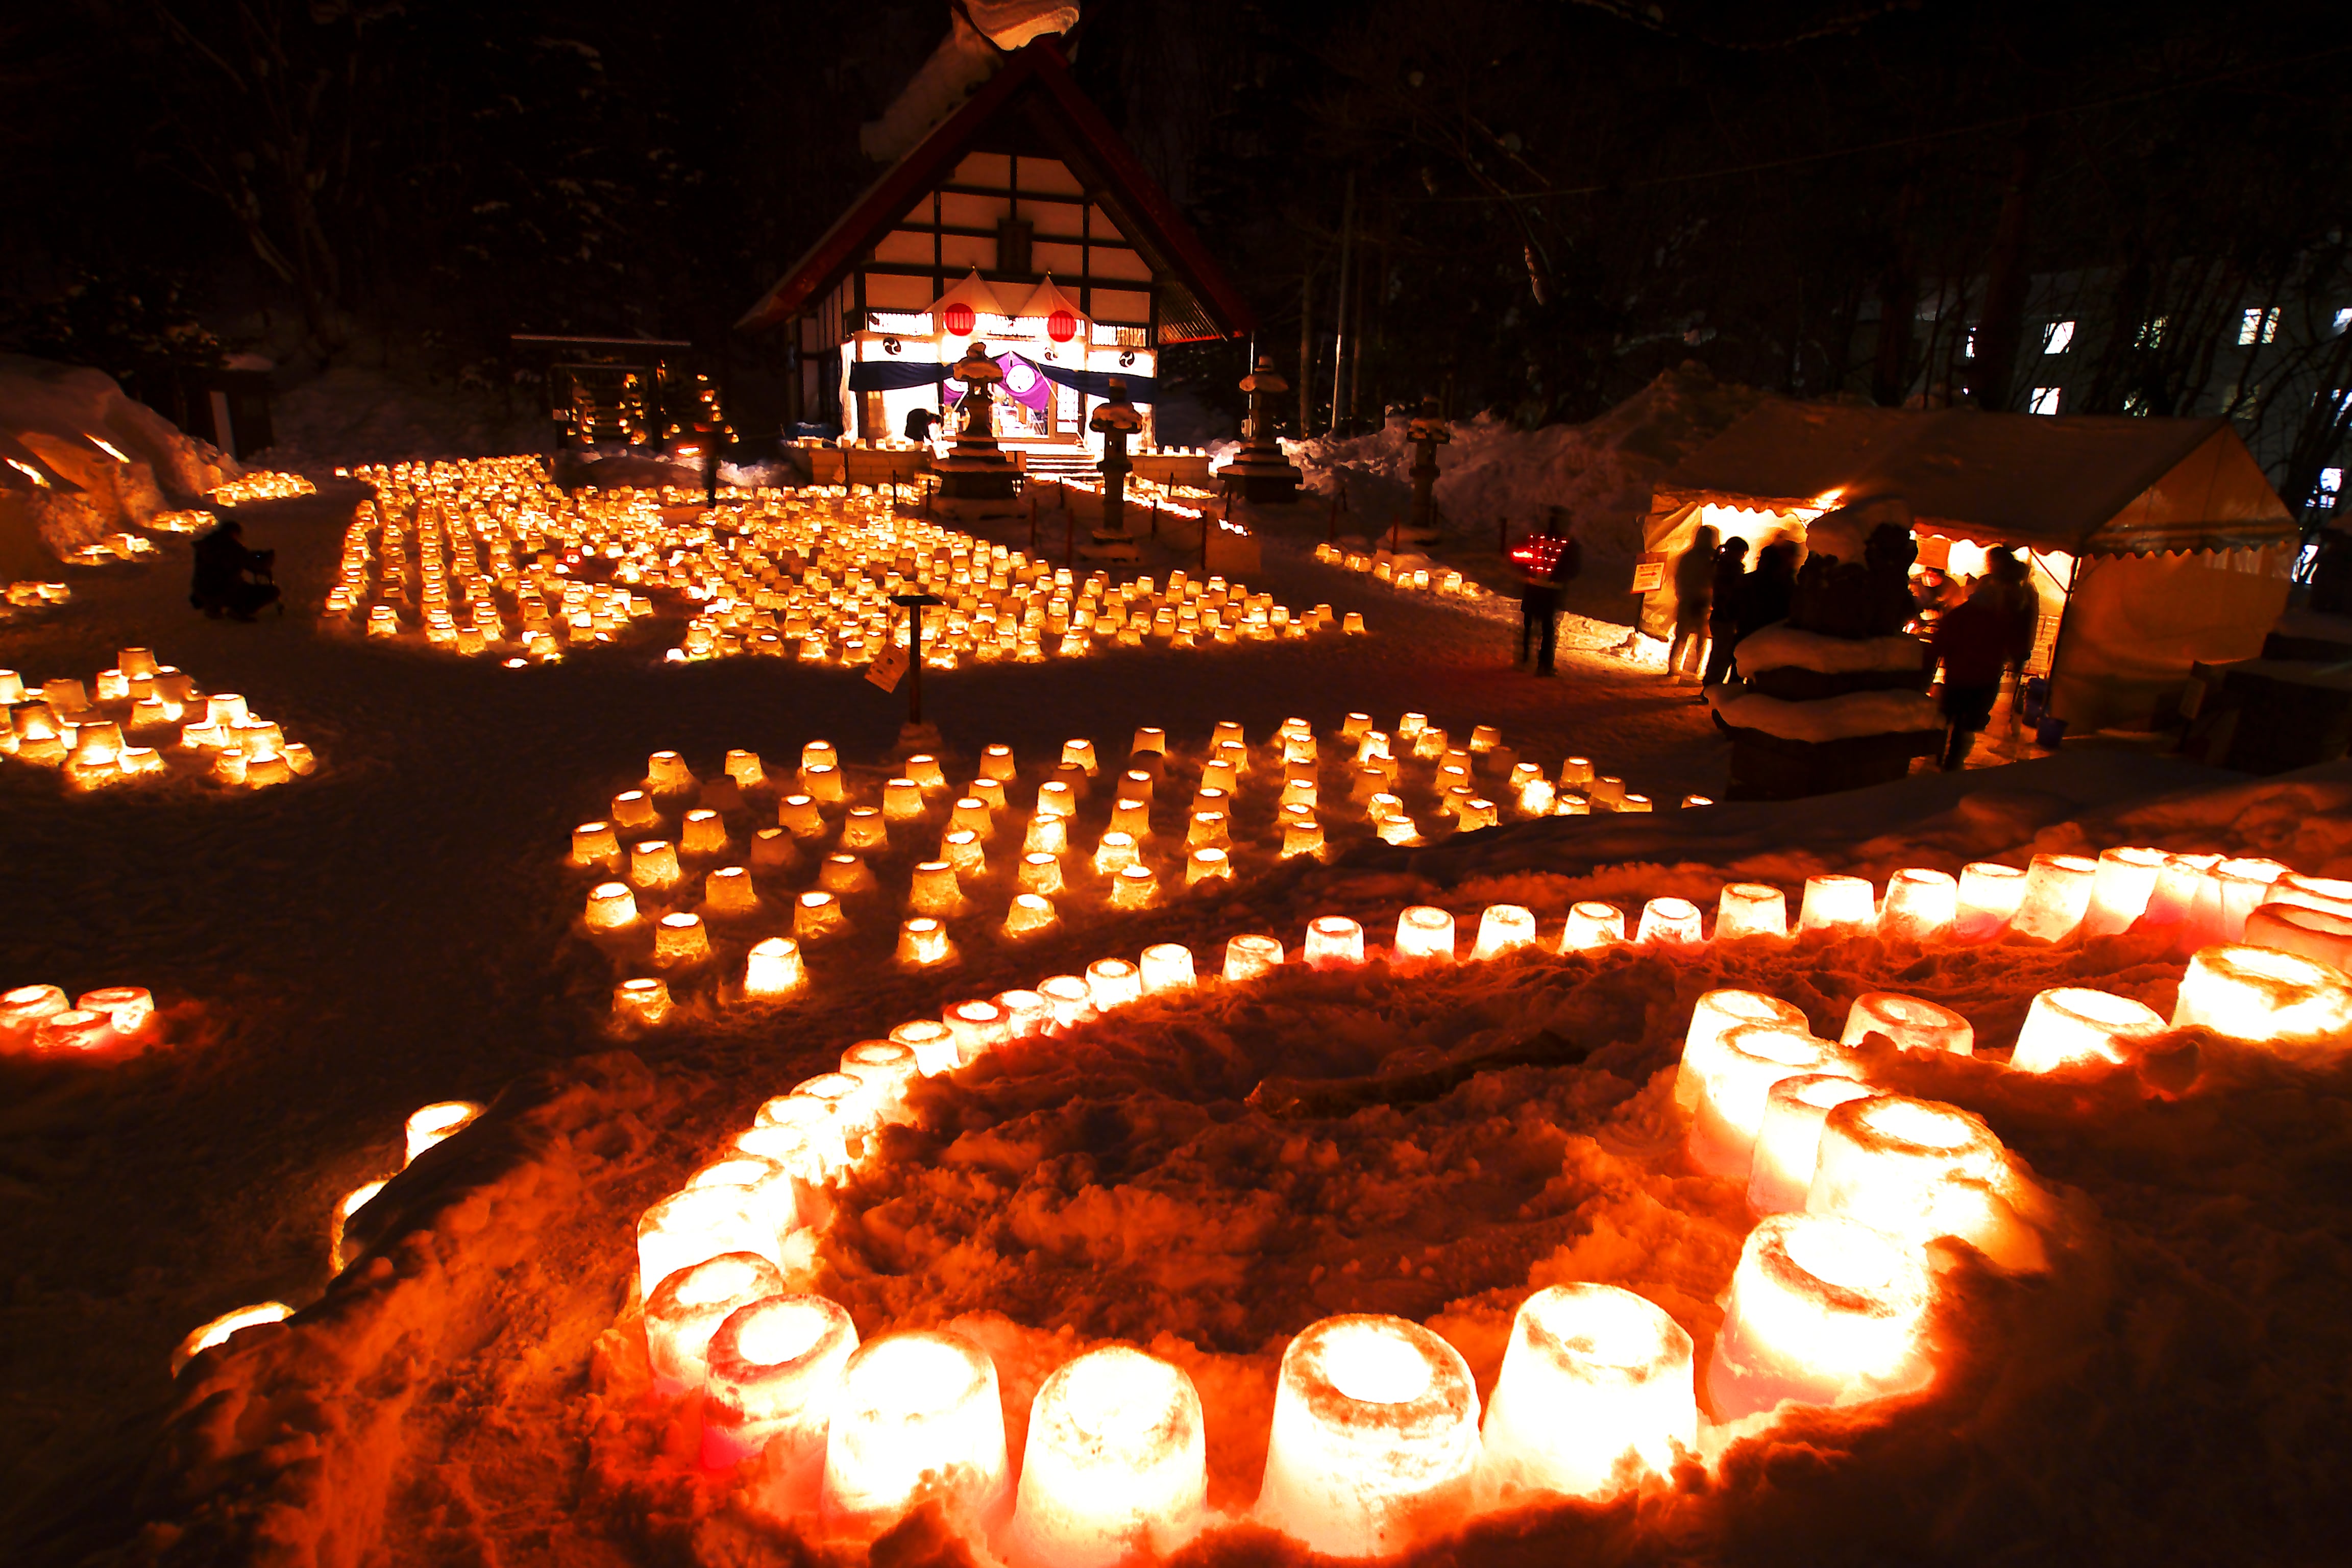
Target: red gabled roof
[{"x": 935, "y": 156}]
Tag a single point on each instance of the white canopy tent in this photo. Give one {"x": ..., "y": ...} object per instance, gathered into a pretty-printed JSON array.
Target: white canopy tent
[{"x": 2157, "y": 543}]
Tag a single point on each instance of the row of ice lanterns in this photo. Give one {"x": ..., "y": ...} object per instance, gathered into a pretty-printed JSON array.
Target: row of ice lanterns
[{"x": 65, "y": 724}]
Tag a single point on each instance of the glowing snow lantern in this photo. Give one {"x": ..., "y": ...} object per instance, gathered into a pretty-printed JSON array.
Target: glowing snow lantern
[
  {"x": 2056, "y": 897},
  {"x": 1592, "y": 926},
  {"x": 1114, "y": 853},
  {"x": 25, "y": 1008},
  {"x": 633, "y": 808},
  {"x": 1822, "y": 1311},
  {"x": 817, "y": 914},
  {"x": 864, "y": 827},
  {"x": 923, "y": 942},
  {"x": 1837, "y": 905},
  {"x": 1424, "y": 934},
  {"x": 917, "y": 1416},
  {"x": 1113, "y": 982},
  {"x": 978, "y": 1028},
  {"x": 2176, "y": 885},
  {"x": 2330, "y": 895},
  {"x": 1374, "y": 1440},
  {"x": 1208, "y": 863},
  {"x": 729, "y": 891},
  {"x": 437, "y": 1123},
  {"x": 775, "y": 1369},
  {"x": 641, "y": 1001},
  {"x": 1150, "y": 740},
  {"x": 128, "y": 1009},
  {"x": 1131, "y": 815},
  {"x": 221, "y": 1328},
  {"x": 1250, "y": 957},
  {"x": 2263, "y": 996},
  {"x": 2316, "y": 933},
  {"x": 926, "y": 771},
  {"x": 823, "y": 781},
  {"x": 1916, "y": 1170},
  {"x": 1031, "y": 914},
  {"x": 1911, "y": 1024},
  {"x": 653, "y": 864},
  {"x": 934, "y": 890},
  {"x": 1789, "y": 1137},
  {"x": 696, "y": 1224},
  {"x": 1069, "y": 999},
  {"x": 1301, "y": 834},
  {"x": 1027, "y": 1014},
  {"x": 667, "y": 772},
  {"x": 773, "y": 968},
  {"x": 350, "y": 1204},
  {"x": 1751, "y": 909},
  {"x": 996, "y": 763},
  {"x": 73, "y": 1032},
  {"x": 1504, "y": 928},
  {"x": 902, "y": 800},
  {"x": 1333, "y": 941},
  {"x": 2070, "y": 1025},
  {"x": 1989, "y": 895},
  {"x": 1714, "y": 1014},
  {"x": 1116, "y": 1469},
  {"x": 933, "y": 1044},
  {"x": 2120, "y": 889},
  {"x": 1669, "y": 923},
  {"x": 1920, "y": 906},
  {"x": 1048, "y": 834},
  {"x": 686, "y": 1310},
  {"x": 1167, "y": 966},
  {"x": 798, "y": 815},
  {"x": 680, "y": 940},
  {"x": 1596, "y": 1384},
  {"x": 1735, "y": 1074},
  {"x": 744, "y": 768},
  {"x": 595, "y": 843}
]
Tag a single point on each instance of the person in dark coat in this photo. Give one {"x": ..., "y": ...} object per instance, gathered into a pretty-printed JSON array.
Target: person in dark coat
[
  {"x": 1693, "y": 602},
  {"x": 1546, "y": 562},
  {"x": 919, "y": 422},
  {"x": 1767, "y": 592},
  {"x": 1976, "y": 642},
  {"x": 1723, "y": 612},
  {"x": 229, "y": 579}
]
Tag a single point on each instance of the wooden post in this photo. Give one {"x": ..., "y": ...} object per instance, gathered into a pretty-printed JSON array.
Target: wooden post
[{"x": 914, "y": 603}]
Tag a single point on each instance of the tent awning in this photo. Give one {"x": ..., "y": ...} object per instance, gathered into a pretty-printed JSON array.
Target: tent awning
[{"x": 2084, "y": 484}]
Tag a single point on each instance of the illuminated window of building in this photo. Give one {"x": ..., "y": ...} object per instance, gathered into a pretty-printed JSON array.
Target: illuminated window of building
[
  {"x": 906, "y": 323},
  {"x": 2331, "y": 485},
  {"x": 2057, "y": 337},
  {"x": 2151, "y": 334},
  {"x": 2045, "y": 400},
  {"x": 2258, "y": 326}
]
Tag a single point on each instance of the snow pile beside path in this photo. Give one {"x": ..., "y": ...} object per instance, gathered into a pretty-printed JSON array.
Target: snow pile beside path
[
  {"x": 1601, "y": 471},
  {"x": 60, "y": 489}
]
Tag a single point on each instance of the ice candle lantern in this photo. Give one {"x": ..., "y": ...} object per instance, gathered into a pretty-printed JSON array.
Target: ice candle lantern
[
  {"x": 1374, "y": 1440},
  {"x": 918, "y": 1415},
  {"x": 1736, "y": 1072},
  {"x": 1116, "y": 1467},
  {"x": 2071, "y": 1023},
  {"x": 1788, "y": 1139},
  {"x": 1596, "y": 1382},
  {"x": 1822, "y": 1311},
  {"x": 686, "y": 1310},
  {"x": 1915, "y": 1170},
  {"x": 1909, "y": 1023},
  {"x": 2263, "y": 996},
  {"x": 774, "y": 1372}
]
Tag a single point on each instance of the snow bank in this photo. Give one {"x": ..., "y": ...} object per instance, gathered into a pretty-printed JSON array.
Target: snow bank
[
  {"x": 60, "y": 489},
  {"x": 1601, "y": 470},
  {"x": 1838, "y": 717}
]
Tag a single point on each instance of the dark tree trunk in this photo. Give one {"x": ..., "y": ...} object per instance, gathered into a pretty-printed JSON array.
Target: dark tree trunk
[{"x": 2000, "y": 333}]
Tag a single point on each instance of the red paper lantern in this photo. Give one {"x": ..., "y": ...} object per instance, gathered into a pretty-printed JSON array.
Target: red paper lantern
[
  {"x": 1061, "y": 326},
  {"x": 958, "y": 320}
]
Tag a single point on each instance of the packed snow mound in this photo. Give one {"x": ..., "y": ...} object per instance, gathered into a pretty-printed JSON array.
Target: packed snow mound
[
  {"x": 1491, "y": 470},
  {"x": 60, "y": 488}
]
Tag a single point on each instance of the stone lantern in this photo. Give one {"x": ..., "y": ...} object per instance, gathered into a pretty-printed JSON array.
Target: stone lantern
[
  {"x": 1267, "y": 478},
  {"x": 975, "y": 467},
  {"x": 1427, "y": 432},
  {"x": 1114, "y": 421}
]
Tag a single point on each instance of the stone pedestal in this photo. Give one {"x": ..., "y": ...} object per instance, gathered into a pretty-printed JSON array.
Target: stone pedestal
[{"x": 1265, "y": 476}]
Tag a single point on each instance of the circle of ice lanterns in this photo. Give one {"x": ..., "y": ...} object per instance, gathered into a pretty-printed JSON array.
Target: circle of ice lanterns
[
  {"x": 1596, "y": 1384},
  {"x": 1374, "y": 1440},
  {"x": 1116, "y": 1465},
  {"x": 1821, "y": 1310}
]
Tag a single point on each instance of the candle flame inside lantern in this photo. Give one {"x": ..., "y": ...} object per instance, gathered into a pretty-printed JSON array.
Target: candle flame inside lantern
[
  {"x": 1596, "y": 1386},
  {"x": 2069, "y": 1025},
  {"x": 1751, "y": 909},
  {"x": 1375, "y": 1436},
  {"x": 2263, "y": 996},
  {"x": 437, "y": 1123},
  {"x": 687, "y": 1308},
  {"x": 1822, "y": 1311},
  {"x": 775, "y": 1369},
  {"x": 1911, "y": 1024},
  {"x": 917, "y": 1416},
  {"x": 1116, "y": 1467},
  {"x": 1789, "y": 1137}
]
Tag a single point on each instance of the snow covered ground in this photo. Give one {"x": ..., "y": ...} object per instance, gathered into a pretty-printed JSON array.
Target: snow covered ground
[{"x": 401, "y": 929}]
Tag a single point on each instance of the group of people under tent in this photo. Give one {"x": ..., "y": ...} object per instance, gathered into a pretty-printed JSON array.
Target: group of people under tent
[{"x": 1979, "y": 631}]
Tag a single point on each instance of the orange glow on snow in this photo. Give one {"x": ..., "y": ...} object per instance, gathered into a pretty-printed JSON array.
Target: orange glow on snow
[{"x": 1911, "y": 1024}]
